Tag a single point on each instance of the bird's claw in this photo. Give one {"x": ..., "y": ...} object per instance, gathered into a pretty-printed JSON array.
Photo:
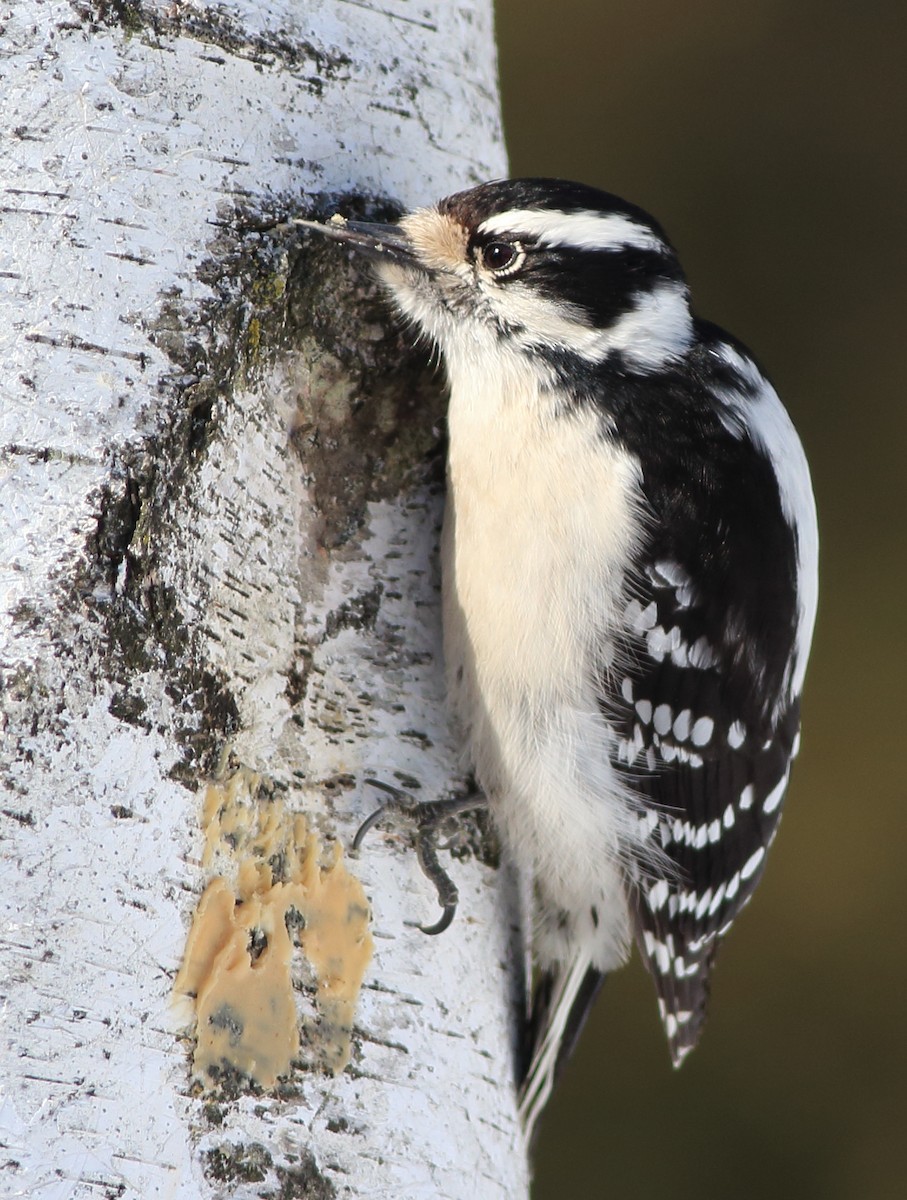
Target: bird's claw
[{"x": 426, "y": 817}]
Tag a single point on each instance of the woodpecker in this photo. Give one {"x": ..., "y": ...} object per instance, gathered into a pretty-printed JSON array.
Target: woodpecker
[{"x": 629, "y": 560}]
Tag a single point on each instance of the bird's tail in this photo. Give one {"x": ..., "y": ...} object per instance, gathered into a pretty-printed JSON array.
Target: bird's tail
[{"x": 561, "y": 1001}]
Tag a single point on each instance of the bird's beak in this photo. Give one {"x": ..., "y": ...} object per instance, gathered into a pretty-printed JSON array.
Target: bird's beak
[{"x": 381, "y": 242}]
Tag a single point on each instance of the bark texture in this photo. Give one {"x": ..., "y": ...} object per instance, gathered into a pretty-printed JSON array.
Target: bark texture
[{"x": 220, "y": 495}]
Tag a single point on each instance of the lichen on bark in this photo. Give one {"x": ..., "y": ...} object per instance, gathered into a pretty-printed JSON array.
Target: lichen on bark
[{"x": 367, "y": 418}]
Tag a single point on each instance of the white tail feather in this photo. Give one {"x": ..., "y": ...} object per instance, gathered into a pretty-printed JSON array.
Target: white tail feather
[{"x": 540, "y": 1077}]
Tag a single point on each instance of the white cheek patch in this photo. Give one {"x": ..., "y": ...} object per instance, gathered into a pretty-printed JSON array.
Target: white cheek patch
[
  {"x": 657, "y": 329},
  {"x": 540, "y": 321}
]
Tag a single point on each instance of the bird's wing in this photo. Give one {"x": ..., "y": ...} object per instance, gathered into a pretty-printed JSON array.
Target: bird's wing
[
  {"x": 713, "y": 764},
  {"x": 704, "y": 699}
]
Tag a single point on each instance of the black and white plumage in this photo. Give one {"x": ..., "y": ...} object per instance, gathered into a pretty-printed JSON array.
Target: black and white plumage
[{"x": 630, "y": 581}]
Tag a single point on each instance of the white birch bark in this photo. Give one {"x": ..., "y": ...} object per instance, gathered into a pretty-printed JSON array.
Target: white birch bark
[{"x": 217, "y": 550}]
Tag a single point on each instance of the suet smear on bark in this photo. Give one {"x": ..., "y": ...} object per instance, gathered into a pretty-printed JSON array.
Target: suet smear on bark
[{"x": 284, "y": 892}]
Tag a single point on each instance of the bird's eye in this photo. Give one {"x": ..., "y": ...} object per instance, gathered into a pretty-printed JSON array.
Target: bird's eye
[{"x": 501, "y": 257}]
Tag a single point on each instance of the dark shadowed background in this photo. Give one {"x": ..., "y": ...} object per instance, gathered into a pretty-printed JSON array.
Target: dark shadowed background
[{"x": 769, "y": 138}]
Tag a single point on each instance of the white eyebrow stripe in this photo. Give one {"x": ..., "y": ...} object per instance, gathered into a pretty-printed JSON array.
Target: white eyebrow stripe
[{"x": 583, "y": 230}]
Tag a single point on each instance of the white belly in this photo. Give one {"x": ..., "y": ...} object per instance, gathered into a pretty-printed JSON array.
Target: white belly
[{"x": 541, "y": 519}]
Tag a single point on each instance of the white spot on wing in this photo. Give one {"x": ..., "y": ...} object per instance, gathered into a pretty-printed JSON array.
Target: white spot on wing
[
  {"x": 747, "y": 796},
  {"x": 680, "y": 655},
  {"x": 717, "y": 899},
  {"x": 682, "y": 725},
  {"x": 657, "y": 896},
  {"x": 702, "y": 731},
  {"x": 627, "y": 752},
  {"x": 775, "y": 796},
  {"x": 736, "y": 735},
  {"x": 660, "y": 642},
  {"x": 702, "y": 655},
  {"x": 698, "y": 943},
  {"x": 670, "y": 573},
  {"x": 644, "y": 710},
  {"x": 752, "y": 863},
  {"x": 662, "y": 719},
  {"x": 658, "y": 952}
]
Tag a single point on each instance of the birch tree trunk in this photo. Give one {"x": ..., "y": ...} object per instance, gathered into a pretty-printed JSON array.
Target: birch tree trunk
[{"x": 219, "y": 611}]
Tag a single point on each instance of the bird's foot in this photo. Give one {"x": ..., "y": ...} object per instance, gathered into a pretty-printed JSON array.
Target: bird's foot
[{"x": 427, "y": 818}]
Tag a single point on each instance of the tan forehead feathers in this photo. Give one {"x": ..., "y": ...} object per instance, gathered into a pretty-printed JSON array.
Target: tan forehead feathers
[{"x": 440, "y": 241}]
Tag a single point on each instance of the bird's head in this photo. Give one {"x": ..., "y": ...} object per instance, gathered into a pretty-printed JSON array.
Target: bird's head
[{"x": 538, "y": 267}]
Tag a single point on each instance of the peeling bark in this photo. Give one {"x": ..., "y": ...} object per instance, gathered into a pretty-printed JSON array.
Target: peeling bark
[{"x": 220, "y": 493}]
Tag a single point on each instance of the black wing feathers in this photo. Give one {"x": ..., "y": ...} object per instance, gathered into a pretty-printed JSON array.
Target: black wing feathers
[
  {"x": 702, "y": 703},
  {"x": 706, "y": 723}
]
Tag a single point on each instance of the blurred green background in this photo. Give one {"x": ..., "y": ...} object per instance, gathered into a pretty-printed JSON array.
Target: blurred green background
[{"x": 769, "y": 139}]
